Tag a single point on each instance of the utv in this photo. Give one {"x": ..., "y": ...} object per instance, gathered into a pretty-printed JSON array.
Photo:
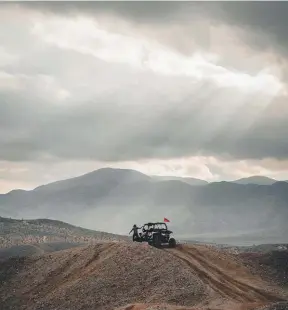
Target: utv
[{"x": 157, "y": 235}]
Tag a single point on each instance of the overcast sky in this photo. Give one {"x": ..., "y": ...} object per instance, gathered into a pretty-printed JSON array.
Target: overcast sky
[{"x": 194, "y": 89}]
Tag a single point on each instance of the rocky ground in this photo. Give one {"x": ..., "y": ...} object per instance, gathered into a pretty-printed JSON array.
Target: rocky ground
[
  {"x": 19, "y": 232},
  {"x": 47, "y": 264},
  {"x": 26, "y": 250},
  {"x": 102, "y": 276},
  {"x": 276, "y": 306},
  {"x": 273, "y": 266},
  {"x": 112, "y": 275}
]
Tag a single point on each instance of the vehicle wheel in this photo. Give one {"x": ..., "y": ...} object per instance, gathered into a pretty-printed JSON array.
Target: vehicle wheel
[
  {"x": 157, "y": 241},
  {"x": 172, "y": 243}
]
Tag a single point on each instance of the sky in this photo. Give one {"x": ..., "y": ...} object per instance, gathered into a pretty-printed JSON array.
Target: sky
[{"x": 167, "y": 88}]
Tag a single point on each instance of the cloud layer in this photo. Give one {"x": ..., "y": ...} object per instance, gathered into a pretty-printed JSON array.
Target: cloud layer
[{"x": 128, "y": 82}]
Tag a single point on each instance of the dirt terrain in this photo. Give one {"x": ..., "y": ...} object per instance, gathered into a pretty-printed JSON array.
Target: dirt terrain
[
  {"x": 25, "y": 250},
  {"x": 272, "y": 265},
  {"x": 120, "y": 275},
  {"x": 230, "y": 283},
  {"x": 15, "y": 232}
]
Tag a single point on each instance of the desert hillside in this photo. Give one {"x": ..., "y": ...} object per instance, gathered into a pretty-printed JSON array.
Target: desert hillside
[
  {"x": 26, "y": 250},
  {"x": 15, "y": 232},
  {"x": 111, "y": 275}
]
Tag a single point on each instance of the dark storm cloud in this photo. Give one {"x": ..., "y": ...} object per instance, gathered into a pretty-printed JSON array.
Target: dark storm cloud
[
  {"x": 138, "y": 11},
  {"x": 117, "y": 129},
  {"x": 268, "y": 20},
  {"x": 116, "y": 113},
  {"x": 265, "y": 24}
]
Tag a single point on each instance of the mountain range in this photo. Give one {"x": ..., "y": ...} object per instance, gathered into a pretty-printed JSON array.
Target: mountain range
[
  {"x": 257, "y": 179},
  {"x": 114, "y": 199}
]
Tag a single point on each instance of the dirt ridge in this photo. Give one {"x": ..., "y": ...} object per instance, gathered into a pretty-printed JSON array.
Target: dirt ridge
[
  {"x": 226, "y": 284},
  {"x": 110, "y": 275}
]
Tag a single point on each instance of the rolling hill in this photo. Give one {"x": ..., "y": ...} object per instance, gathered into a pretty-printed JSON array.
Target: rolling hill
[
  {"x": 114, "y": 199},
  {"x": 258, "y": 180},
  {"x": 27, "y": 250},
  {"x": 37, "y": 232}
]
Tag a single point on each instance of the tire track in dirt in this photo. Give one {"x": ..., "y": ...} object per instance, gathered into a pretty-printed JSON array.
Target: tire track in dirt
[
  {"x": 227, "y": 286},
  {"x": 261, "y": 295},
  {"x": 207, "y": 278}
]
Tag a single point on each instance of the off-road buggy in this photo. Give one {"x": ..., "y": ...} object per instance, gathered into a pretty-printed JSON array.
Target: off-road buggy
[{"x": 156, "y": 234}]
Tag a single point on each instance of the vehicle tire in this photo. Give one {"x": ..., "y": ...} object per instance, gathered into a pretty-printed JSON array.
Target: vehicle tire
[
  {"x": 172, "y": 243},
  {"x": 136, "y": 239},
  {"x": 157, "y": 241}
]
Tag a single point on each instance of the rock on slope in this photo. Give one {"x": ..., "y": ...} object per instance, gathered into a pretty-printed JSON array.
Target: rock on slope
[{"x": 114, "y": 274}]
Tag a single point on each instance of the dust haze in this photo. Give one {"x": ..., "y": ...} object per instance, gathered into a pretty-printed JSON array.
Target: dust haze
[{"x": 114, "y": 199}]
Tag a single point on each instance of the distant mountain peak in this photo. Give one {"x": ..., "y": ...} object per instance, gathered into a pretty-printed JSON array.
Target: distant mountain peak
[
  {"x": 188, "y": 180},
  {"x": 113, "y": 199},
  {"x": 116, "y": 170},
  {"x": 256, "y": 179},
  {"x": 17, "y": 191},
  {"x": 280, "y": 183},
  {"x": 121, "y": 172},
  {"x": 95, "y": 178}
]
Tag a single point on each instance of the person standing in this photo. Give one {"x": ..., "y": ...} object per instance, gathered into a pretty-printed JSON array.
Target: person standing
[{"x": 135, "y": 232}]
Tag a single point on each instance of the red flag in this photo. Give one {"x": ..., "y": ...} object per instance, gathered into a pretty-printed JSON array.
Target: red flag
[{"x": 166, "y": 220}]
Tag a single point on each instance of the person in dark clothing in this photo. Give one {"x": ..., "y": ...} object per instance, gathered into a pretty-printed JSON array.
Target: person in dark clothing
[{"x": 135, "y": 232}]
